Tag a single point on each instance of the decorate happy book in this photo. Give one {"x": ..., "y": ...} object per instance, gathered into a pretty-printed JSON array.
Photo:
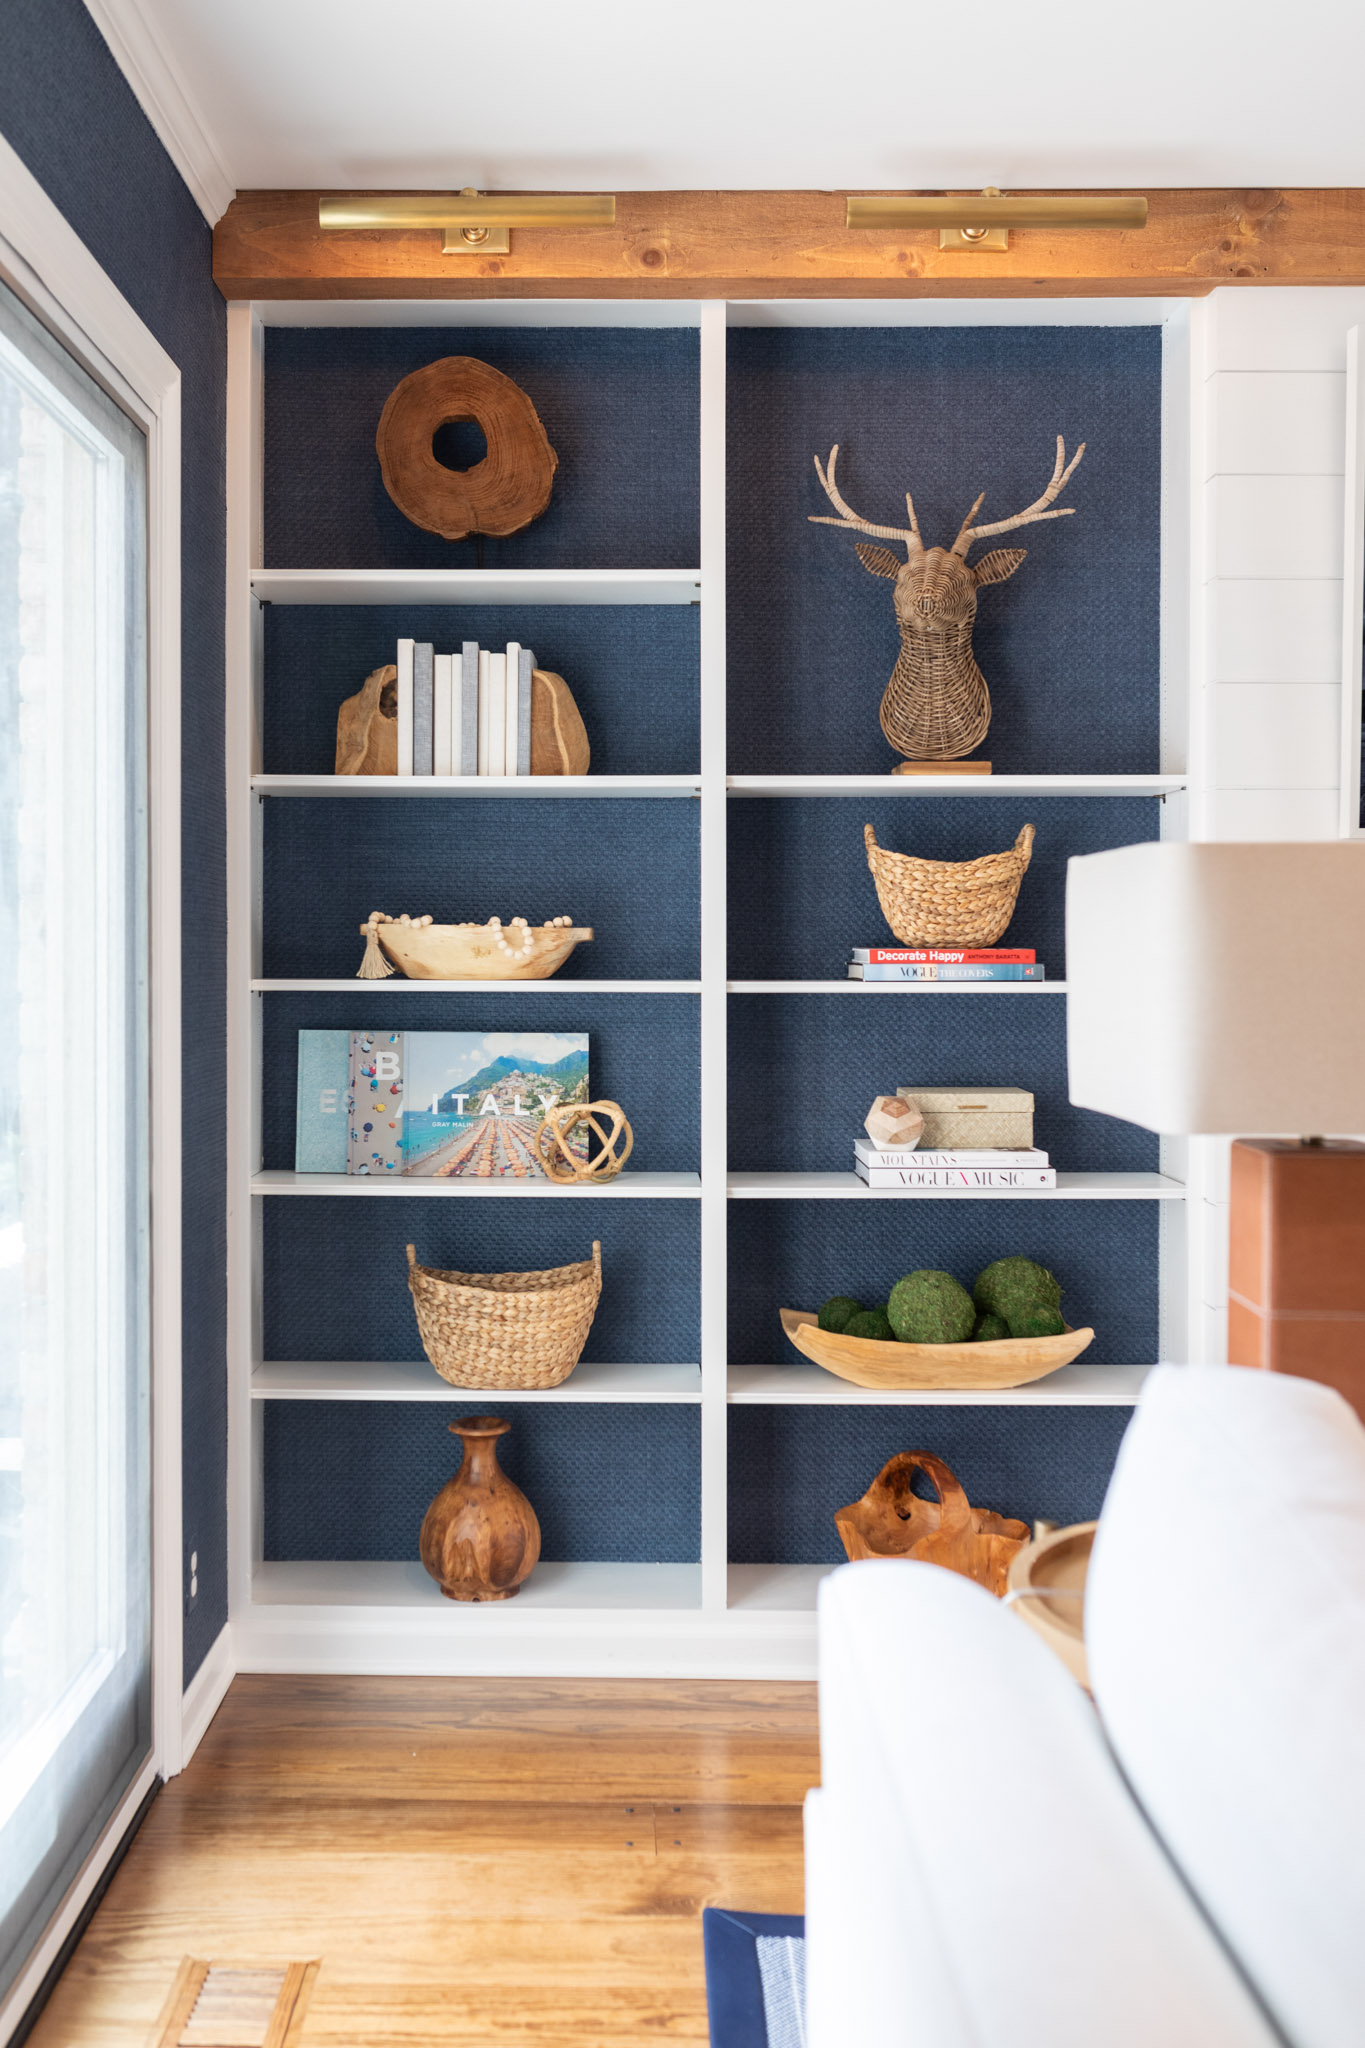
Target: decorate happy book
[{"x": 435, "y": 1104}]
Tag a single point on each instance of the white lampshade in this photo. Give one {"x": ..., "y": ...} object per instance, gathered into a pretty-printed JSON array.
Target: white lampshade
[{"x": 1219, "y": 989}]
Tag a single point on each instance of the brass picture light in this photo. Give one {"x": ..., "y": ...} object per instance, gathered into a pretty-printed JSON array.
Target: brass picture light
[
  {"x": 983, "y": 221},
  {"x": 474, "y": 223}
]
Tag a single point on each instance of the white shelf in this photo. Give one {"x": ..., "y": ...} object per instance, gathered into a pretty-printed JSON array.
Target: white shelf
[
  {"x": 476, "y": 586},
  {"x": 397, "y": 984},
  {"x": 954, "y": 785},
  {"x": 895, "y": 988},
  {"x": 574, "y": 1587},
  {"x": 416, "y": 1380},
  {"x": 801, "y": 1385},
  {"x": 775, "y": 1588},
  {"x": 374, "y": 786},
  {"x": 280, "y": 1181},
  {"x": 1071, "y": 1187}
]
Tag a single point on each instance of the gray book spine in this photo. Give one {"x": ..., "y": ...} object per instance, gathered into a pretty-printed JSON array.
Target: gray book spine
[
  {"x": 469, "y": 709},
  {"x": 526, "y": 662},
  {"x": 423, "y": 683}
]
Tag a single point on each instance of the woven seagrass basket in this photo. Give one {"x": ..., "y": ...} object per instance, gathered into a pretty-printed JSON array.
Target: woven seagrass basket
[
  {"x": 948, "y": 902},
  {"x": 496, "y": 1330}
]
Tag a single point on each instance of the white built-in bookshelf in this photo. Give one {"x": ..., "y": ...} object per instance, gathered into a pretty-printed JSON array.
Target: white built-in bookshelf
[{"x": 711, "y": 1617}]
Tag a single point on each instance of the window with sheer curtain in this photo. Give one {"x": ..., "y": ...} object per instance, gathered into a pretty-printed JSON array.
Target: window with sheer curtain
[{"x": 75, "y": 1509}]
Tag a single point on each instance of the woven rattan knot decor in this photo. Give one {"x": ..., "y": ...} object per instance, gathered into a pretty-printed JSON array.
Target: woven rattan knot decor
[
  {"x": 615, "y": 1137},
  {"x": 948, "y": 902},
  {"x": 936, "y": 706}
]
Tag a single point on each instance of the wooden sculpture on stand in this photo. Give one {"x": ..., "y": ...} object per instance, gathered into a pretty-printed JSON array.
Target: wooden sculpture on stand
[{"x": 936, "y": 706}]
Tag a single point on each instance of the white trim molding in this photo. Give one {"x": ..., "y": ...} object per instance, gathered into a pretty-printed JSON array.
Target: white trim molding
[
  {"x": 44, "y": 261},
  {"x": 205, "y": 1693},
  {"x": 163, "y": 93}
]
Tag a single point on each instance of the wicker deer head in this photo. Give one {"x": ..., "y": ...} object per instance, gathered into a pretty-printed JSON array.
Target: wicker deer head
[{"x": 936, "y": 706}]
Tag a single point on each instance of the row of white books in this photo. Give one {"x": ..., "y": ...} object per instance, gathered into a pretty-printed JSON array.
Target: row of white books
[
  {"x": 892, "y": 1166},
  {"x": 464, "y": 714}
]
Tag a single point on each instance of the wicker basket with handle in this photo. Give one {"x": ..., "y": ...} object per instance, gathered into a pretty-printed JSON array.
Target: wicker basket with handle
[
  {"x": 493, "y": 1330},
  {"x": 948, "y": 902}
]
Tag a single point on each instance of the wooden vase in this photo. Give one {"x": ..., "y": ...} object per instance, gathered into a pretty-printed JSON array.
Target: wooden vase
[{"x": 480, "y": 1537}]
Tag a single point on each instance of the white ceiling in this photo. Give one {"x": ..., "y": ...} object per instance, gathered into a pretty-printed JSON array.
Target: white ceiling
[{"x": 636, "y": 94}]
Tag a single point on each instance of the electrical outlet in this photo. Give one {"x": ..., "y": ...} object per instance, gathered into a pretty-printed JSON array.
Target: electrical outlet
[{"x": 193, "y": 1591}]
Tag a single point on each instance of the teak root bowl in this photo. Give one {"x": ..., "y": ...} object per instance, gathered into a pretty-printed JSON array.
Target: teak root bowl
[
  {"x": 874, "y": 1362},
  {"x": 470, "y": 952}
]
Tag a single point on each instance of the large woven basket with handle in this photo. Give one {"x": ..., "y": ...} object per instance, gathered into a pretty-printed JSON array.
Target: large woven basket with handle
[
  {"x": 496, "y": 1330},
  {"x": 948, "y": 902}
]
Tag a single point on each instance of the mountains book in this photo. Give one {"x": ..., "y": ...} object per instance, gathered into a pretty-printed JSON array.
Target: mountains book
[
  {"x": 903, "y": 1156},
  {"x": 437, "y": 1105}
]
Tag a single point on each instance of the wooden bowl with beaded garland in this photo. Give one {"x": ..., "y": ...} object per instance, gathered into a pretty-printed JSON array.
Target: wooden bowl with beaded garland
[{"x": 425, "y": 951}]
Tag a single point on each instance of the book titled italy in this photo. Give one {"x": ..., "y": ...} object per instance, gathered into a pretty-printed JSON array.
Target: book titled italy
[
  {"x": 437, "y": 1105},
  {"x": 459, "y": 1105}
]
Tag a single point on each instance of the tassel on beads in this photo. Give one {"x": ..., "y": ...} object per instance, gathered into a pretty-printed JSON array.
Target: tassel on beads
[{"x": 374, "y": 967}]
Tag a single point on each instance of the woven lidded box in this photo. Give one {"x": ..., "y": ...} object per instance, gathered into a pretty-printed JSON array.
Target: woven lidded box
[{"x": 971, "y": 1119}]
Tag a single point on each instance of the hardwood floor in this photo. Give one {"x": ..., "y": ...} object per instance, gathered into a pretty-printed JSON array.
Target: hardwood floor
[{"x": 469, "y": 1861}]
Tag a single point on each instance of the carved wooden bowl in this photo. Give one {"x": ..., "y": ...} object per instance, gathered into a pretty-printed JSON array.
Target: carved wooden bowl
[
  {"x": 470, "y": 952},
  {"x": 1047, "y": 1585},
  {"x": 877, "y": 1362}
]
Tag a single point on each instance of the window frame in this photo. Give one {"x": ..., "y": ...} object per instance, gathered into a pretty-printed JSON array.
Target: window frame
[{"x": 48, "y": 267}]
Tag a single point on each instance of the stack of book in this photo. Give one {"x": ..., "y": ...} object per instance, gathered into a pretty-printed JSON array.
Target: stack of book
[
  {"x": 464, "y": 714},
  {"x": 945, "y": 1172},
  {"x": 931, "y": 963}
]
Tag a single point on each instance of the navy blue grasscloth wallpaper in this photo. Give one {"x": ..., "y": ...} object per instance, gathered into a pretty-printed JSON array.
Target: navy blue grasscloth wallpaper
[
  {"x": 626, "y": 867},
  {"x": 790, "y": 1468},
  {"x": 620, "y": 407},
  {"x": 801, "y": 893},
  {"x": 643, "y": 1051},
  {"x": 1068, "y": 646},
  {"x": 828, "y": 1055},
  {"x": 796, "y": 1254},
  {"x": 354, "y": 1480},
  {"x": 336, "y": 1282},
  {"x": 67, "y": 111},
  {"x": 633, "y": 670}
]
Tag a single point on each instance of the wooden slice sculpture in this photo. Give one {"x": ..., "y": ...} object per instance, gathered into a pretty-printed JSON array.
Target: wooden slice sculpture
[
  {"x": 480, "y": 1537},
  {"x": 892, "y": 1521},
  {"x": 552, "y": 1142},
  {"x": 559, "y": 739},
  {"x": 501, "y": 494},
  {"x": 367, "y": 726},
  {"x": 936, "y": 706}
]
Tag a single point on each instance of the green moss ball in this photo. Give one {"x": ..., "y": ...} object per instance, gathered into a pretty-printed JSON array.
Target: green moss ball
[
  {"x": 873, "y": 1322},
  {"x": 990, "y": 1329},
  {"x": 1038, "y": 1322},
  {"x": 838, "y": 1311},
  {"x": 1011, "y": 1287},
  {"x": 930, "y": 1308}
]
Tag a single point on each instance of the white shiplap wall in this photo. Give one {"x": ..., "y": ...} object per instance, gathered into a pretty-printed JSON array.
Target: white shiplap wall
[{"x": 1269, "y": 406}]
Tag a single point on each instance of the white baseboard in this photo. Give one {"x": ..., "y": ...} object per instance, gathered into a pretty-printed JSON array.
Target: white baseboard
[
  {"x": 205, "y": 1692},
  {"x": 369, "y": 1642}
]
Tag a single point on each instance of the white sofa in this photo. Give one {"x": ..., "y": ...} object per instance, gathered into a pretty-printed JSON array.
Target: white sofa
[{"x": 992, "y": 1863}]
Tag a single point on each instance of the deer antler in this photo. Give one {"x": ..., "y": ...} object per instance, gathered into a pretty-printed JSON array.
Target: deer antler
[
  {"x": 1037, "y": 510},
  {"x": 909, "y": 534}
]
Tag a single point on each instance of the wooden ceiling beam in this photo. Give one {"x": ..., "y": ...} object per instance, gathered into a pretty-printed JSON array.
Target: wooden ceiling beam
[{"x": 690, "y": 245}]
